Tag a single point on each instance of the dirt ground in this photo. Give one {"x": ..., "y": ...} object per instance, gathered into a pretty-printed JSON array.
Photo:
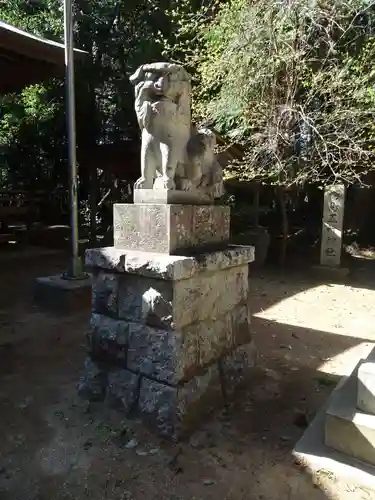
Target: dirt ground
[{"x": 54, "y": 446}]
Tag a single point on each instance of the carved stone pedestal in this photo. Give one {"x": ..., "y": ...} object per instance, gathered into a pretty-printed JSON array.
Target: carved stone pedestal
[
  {"x": 170, "y": 335},
  {"x": 170, "y": 229}
]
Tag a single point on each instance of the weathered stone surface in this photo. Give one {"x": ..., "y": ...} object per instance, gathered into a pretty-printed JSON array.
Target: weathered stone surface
[
  {"x": 167, "y": 354},
  {"x": 94, "y": 382},
  {"x": 108, "y": 338},
  {"x": 123, "y": 387},
  {"x": 110, "y": 258},
  {"x": 200, "y": 395},
  {"x": 172, "y": 411},
  {"x": 172, "y": 356},
  {"x": 158, "y": 405},
  {"x": 146, "y": 300},
  {"x": 196, "y": 226},
  {"x": 366, "y": 387},
  {"x": 165, "y": 305},
  {"x": 169, "y": 229},
  {"x": 214, "y": 337},
  {"x": 160, "y": 354},
  {"x": 167, "y": 267},
  {"x": 175, "y": 197},
  {"x": 104, "y": 293},
  {"x": 240, "y": 325},
  {"x": 209, "y": 295},
  {"x": 235, "y": 367}
]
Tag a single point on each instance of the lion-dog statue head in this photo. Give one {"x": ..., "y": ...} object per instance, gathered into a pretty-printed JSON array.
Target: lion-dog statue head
[{"x": 162, "y": 105}]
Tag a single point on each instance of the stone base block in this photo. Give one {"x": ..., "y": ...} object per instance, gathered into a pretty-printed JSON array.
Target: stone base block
[
  {"x": 174, "y": 356},
  {"x": 123, "y": 389},
  {"x": 93, "y": 384},
  {"x": 347, "y": 429},
  {"x": 169, "y": 229},
  {"x": 366, "y": 387},
  {"x": 166, "y": 267},
  {"x": 235, "y": 368},
  {"x": 58, "y": 295},
  {"x": 172, "y": 411},
  {"x": 170, "y": 325},
  {"x": 170, "y": 335},
  {"x": 168, "y": 292}
]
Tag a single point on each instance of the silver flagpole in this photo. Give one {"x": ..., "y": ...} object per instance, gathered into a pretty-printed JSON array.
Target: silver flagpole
[{"x": 75, "y": 272}]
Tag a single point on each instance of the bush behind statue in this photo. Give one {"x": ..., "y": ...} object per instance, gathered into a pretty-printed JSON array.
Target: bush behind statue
[{"x": 292, "y": 82}]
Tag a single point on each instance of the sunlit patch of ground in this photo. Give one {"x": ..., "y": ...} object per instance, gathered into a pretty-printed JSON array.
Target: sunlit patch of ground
[{"x": 337, "y": 309}]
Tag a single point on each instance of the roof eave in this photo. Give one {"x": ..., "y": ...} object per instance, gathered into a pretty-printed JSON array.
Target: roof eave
[{"x": 33, "y": 47}]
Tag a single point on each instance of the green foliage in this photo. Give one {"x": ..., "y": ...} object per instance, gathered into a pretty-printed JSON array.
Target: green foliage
[
  {"x": 185, "y": 42},
  {"x": 43, "y": 18},
  {"x": 30, "y": 155},
  {"x": 293, "y": 83},
  {"x": 118, "y": 36}
]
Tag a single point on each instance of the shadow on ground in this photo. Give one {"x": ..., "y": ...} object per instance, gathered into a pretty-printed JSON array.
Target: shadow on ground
[{"x": 53, "y": 446}]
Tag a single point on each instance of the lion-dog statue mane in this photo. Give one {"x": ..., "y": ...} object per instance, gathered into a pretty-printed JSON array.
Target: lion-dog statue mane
[{"x": 173, "y": 154}]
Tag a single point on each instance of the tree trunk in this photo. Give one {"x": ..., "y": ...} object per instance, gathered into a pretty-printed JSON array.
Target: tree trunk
[
  {"x": 93, "y": 205},
  {"x": 256, "y": 204},
  {"x": 284, "y": 226}
]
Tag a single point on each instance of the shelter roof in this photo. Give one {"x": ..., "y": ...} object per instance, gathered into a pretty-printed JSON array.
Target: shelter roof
[{"x": 26, "y": 59}]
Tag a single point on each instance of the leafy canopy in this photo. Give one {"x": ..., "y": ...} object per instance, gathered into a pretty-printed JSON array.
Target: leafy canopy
[{"x": 291, "y": 81}]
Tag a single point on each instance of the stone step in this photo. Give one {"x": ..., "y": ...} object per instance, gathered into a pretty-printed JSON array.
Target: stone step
[
  {"x": 366, "y": 387},
  {"x": 348, "y": 429}
]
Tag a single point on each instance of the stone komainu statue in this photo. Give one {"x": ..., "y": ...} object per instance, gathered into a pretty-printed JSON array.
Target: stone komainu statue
[{"x": 172, "y": 155}]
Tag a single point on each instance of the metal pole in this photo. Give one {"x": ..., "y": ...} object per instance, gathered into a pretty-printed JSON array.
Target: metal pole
[{"x": 76, "y": 268}]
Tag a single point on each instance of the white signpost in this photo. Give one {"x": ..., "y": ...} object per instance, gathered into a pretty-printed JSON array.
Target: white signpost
[{"x": 332, "y": 227}]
